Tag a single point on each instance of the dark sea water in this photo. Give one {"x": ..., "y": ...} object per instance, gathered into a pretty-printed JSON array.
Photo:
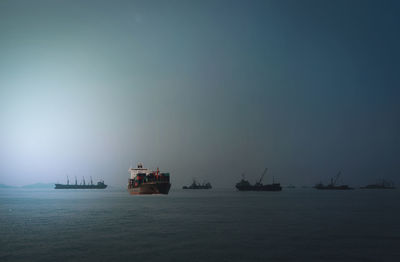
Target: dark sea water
[{"x": 205, "y": 225}]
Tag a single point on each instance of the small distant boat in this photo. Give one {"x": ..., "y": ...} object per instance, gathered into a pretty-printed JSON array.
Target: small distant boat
[
  {"x": 82, "y": 185},
  {"x": 333, "y": 185},
  {"x": 290, "y": 186},
  {"x": 196, "y": 185},
  {"x": 244, "y": 185},
  {"x": 384, "y": 184}
]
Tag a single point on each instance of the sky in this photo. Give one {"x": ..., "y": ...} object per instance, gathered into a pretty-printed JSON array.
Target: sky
[{"x": 201, "y": 89}]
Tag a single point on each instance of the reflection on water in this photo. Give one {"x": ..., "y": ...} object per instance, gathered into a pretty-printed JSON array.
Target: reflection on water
[{"x": 212, "y": 225}]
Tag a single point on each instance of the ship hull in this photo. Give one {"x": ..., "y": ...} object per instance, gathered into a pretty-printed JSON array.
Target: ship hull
[
  {"x": 377, "y": 187},
  {"x": 200, "y": 187},
  {"x": 273, "y": 187},
  {"x": 333, "y": 188},
  {"x": 61, "y": 186},
  {"x": 150, "y": 188}
]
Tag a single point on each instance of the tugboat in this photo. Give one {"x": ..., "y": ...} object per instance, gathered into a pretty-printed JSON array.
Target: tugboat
[
  {"x": 380, "y": 185},
  {"x": 145, "y": 181},
  {"x": 82, "y": 185},
  {"x": 244, "y": 185},
  {"x": 196, "y": 185},
  {"x": 333, "y": 185}
]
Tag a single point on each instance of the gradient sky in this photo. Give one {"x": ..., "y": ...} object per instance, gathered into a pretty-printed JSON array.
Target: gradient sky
[{"x": 202, "y": 89}]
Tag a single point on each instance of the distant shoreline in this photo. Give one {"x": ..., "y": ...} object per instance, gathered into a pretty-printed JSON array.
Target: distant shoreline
[{"x": 35, "y": 185}]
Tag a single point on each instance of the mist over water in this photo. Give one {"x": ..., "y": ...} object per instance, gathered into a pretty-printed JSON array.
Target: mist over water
[
  {"x": 203, "y": 90},
  {"x": 212, "y": 225}
]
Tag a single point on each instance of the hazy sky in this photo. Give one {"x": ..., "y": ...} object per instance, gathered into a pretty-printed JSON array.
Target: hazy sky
[{"x": 202, "y": 89}]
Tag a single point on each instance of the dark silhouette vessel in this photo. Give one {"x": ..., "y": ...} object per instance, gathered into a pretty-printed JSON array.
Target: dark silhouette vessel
[
  {"x": 384, "y": 184},
  {"x": 82, "y": 185},
  {"x": 245, "y": 185},
  {"x": 196, "y": 185},
  {"x": 333, "y": 185},
  {"x": 145, "y": 181}
]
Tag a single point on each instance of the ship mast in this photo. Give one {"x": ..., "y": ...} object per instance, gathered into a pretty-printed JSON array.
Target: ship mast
[
  {"x": 263, "y": 174},
  {"x": 333, "y": 182}
]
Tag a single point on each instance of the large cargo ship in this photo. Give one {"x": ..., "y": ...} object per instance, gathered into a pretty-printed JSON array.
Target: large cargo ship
[
  {"x": 244, "y": 185},
  {"x": 82, "y": 185},
  {"x": 145, "y": 181}
]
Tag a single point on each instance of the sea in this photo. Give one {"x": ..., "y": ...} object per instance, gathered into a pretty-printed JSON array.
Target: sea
[{"x": 301, "y": 224}]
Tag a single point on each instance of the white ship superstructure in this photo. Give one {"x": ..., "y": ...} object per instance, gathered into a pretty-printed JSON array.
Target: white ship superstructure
[{"x": 139, "y": 170}]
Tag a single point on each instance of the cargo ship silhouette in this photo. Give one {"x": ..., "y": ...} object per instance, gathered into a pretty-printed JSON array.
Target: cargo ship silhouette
[
  {"x": 82, "y": 185},
  {"x": 333, "y": 185},
  {"x": 196, "y": 185},
  {"x": 384, "y": 184},
  {"x": 244, "y": 185}
]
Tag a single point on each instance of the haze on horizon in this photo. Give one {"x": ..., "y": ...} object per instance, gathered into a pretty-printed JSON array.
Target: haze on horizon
[{"x": 202, "y": 89}]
